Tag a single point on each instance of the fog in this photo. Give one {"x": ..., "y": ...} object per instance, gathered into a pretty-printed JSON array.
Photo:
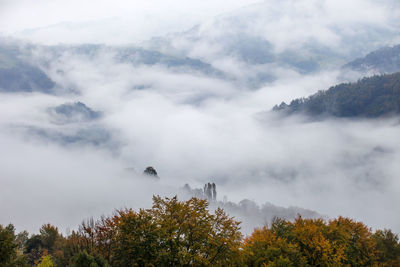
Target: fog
[
  {"x": 120, "y": 21},
  {"x": 191, "y": 126}
]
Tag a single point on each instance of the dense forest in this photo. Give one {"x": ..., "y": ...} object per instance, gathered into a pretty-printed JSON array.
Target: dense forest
[
  {"x": 370, "y": 97},
  {"x": 187, "y": 233}
]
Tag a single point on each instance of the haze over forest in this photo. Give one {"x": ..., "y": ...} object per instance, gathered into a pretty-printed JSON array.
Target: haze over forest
[{"x": 93, "y": 92}]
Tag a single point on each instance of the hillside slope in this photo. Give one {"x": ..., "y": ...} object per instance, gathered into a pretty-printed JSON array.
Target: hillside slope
[
  {"x": 369, "y": 97},
  {"x": 17, "y": 75},
  {"x": 384, "y": 60}
]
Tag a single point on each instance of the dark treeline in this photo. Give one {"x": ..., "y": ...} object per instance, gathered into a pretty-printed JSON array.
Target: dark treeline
[
  {"x": 186, "y": 233},
  {"x": 369, "y": 97}
]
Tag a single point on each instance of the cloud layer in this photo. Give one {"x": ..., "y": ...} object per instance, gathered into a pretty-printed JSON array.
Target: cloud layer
[{"x": 196, "y": 128}]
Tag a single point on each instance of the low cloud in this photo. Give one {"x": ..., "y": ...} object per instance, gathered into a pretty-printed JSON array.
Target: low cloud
[
  {"x": 335, "y": 167},
  {"x": 197, "y": 128}
]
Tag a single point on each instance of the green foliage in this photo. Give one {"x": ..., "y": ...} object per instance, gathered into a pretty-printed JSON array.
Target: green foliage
[
  {"x": 33, "y": 249},
  {"x": 83, "y": 259},
  {"x": 370, "y": 97},
  {"x": 46, "y": 262},
  {"x": 48, "y": 241},
  {"x": 48, "y": 236},
  {"x": 388, "y": 247},
  {"x": 7, "y": 245}
]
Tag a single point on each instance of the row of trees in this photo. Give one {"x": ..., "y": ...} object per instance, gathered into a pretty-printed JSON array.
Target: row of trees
[
  {"x": 314, "y": 242},
  {"x": 186, "y": 233}
]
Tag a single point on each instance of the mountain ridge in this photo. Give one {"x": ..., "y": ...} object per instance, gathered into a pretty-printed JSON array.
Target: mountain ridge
[{"x": 369, "y": 97}]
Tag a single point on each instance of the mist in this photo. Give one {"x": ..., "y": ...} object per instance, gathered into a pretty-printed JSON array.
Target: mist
[{"x": 193, "y": 127}]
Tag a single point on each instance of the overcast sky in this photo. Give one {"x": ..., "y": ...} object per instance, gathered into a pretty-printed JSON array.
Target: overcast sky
[
  {"x": 124, "y": 21},
  {"x": 138, "y": 19}
]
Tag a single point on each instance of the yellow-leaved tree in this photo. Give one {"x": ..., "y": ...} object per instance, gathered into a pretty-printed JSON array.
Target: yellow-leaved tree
[{"x": 46, "y": 262}]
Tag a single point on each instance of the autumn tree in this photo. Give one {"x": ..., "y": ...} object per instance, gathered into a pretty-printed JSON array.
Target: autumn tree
[
  {"x": 176, "y": 233},
  {"x": 187, "y": 233},
  {"x": 105, "y": 236},
  {"x": 138, "y": 240},
  {"x": 46, "y": 262},
  {"x": 191, "y": 235},
  {"x": 315, "y": 242},
  {"x": 266, "y": 248},
  {"x": 309, "y": 235},
  {"x": 354, "y": 240}
]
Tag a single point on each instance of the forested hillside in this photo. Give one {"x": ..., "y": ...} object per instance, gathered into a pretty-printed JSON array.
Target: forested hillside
[
  {"x": 384, "y": 60},
  {"x": 17, "y": 75},
  {"x": 369, "y": 97},
  {"x": 186, "y": 233}
]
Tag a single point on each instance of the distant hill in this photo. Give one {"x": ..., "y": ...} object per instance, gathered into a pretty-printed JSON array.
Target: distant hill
[
  {"x": 261, "y": 34},
  {"x": 369, "y": 97},
  {"x": 247, "y": 211},
  {"x": 135, "y": 56},
  {"x": 20, "y": 75},
  {"x": 73, "y": 113},
  {"x": 17, "y": 75},
  {"x": 384, "y": 60}
]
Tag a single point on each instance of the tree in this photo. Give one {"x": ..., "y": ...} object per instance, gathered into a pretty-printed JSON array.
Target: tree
[
  {"x": 83, "y": 259},
  {"x": 150, "y": 171},
  {"x": 105, "y": 236},
  {"x": 176, "y": 233},
  {"x": 265, "y": 248},
  {"x": 33, "y": 249},
  {"x": 49, "y": 235},
  {"x": 209, "y": 191},
  {"x": 21, "y": 239},
  {"x": 315, "y": 242},
  {"x": 49, "y": 241},
  {"x": 214, "y": 192},
  {"x": 138, "y": 239},
  {"x": 354, "y": 240},
  {"x": 388, "y": 247},
  {"x": 190, "y": 234},
  {"x": 46, "y": 262},
  {"x": 7, "y": 245}
]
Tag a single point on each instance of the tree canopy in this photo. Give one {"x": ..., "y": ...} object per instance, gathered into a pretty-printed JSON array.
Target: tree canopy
[{"x": 187, "y": 233}]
